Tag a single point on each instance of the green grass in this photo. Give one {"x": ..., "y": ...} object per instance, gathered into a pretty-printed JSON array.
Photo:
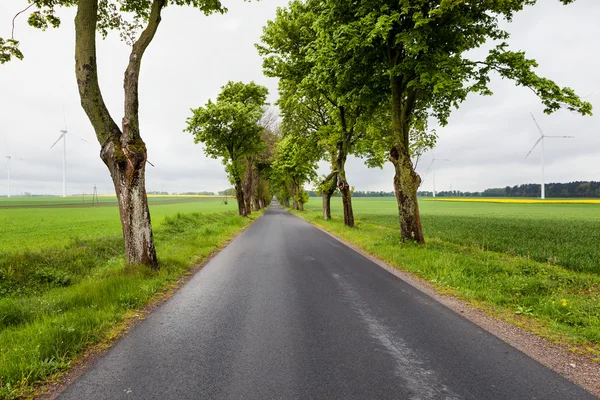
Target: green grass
[
  {"x": 40, "y": 227},
  {"x": 86, "y": 200},
  {"x": 60, "y": 298},
  {"x": 559, "y": 301}
]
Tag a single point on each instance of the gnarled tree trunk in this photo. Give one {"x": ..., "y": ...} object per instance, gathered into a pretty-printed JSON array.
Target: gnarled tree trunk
[
  {"x": 248, "y": 187},
  {"x": 344, "y": 188},
  {"x": 239, "y": 195},
  {"x": 406, "y": 180},
  {"x": 329, "y": 186},
  {"x": 123, "y": 150},
  {"x": 127, "y": 168},
  {"x": 406, "y": 184}
]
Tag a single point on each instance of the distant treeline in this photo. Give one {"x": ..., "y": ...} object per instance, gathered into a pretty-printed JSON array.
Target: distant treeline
[
  {"x": 357, "y": 193},
  {"x": 572, "y": 189}
]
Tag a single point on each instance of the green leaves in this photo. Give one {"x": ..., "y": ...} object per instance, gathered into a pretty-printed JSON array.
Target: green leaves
[
  {"x": 9, "y": 49},
  {"x": 127, "y": 17},
  {"x": 230, "y": 127},
  {"x": 516, "y": 67}
]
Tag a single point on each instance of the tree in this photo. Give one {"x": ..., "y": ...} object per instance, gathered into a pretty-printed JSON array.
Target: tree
[
  {"x": 229, "y": 129},
  {"x": 296, "y": 162},
  {"x": 123, "y": 150},
  {"x": 294, "y": 52},
  {"x": 419, "y": 47}
]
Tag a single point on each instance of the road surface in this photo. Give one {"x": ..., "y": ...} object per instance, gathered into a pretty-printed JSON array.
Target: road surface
[{"x": 287, "y": 312}]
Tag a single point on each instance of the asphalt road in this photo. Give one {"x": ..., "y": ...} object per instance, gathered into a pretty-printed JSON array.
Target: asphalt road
[{"x": 287, "y": 312}]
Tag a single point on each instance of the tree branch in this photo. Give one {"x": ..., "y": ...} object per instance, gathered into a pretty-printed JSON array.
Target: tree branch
[
  {"x": 87, "y": 72},
  {"x": 131, "y": 128}
]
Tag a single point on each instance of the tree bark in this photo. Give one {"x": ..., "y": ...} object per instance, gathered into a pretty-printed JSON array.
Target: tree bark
[
  {"x": 248, "y": 187},
  {"x": 329, "y": 186},
  {"x": 406, "y": 183},
  {"x": 239, "y": 195},
  {"x": 344, "y": 188},
  {"x": 406, "y": 180},
  {"x": 123, "y": 151},
  {"x": 127, "y": 169}
]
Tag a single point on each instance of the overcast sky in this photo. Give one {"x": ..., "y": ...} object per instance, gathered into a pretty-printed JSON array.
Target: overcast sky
[{"x": 192, "y": 56}]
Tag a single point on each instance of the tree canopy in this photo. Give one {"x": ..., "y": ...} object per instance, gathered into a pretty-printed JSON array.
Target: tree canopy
[
  {"x": 229, "y": 128},
  {"x": 128, "y": 17},
  {"x": 418, "y": 52}
]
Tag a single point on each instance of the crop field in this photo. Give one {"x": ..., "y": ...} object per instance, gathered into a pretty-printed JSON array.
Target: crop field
[
  {"x": 563, "y": 234},
  {"x": 64, "y": 284}
]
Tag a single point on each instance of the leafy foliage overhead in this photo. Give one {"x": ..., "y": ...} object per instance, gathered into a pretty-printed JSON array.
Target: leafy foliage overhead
[
  {"x": 125, "y": 16},
  {"x": 424, "y": 45}
]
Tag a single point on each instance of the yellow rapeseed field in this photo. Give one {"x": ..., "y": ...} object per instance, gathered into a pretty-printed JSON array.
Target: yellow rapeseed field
[{"x": 518, "y": 201}]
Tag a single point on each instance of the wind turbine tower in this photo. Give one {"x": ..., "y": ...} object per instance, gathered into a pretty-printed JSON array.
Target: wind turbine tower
[
  {"x": 63, "y": 136},
  {"x": 430, "y": 166},
  {"x": 541, "y": 139},
  {"x": 9, "y": 158}
]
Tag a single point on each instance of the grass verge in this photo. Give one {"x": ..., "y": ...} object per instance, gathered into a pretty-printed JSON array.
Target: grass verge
[
  {"x": 58, "y": 301},
  {"x": 556, "y": 303}
]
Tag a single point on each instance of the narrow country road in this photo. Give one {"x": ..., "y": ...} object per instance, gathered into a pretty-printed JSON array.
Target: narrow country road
[{"x": 287, "y": 312}]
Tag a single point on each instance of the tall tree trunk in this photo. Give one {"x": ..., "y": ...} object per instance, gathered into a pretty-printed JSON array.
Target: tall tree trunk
[
  {"x": 239, "y": 195},
  {"x": 295, "y": 204},
  {"x": 123, "y": 150},
  {"x": 406, "y": 184},
  {"x": 406, "y": 180},
  {"x": 329, "y": 187},
  {"x": 248, "y": 187},
  {"x": 326, "y": 205},
  {"x": 344, "y": 188},
  {"x": 127, "y": 169}
]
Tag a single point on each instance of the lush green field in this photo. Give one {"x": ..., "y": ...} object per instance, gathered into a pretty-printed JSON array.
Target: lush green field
[
  {"x": 535, "y": 265},
  {"x": 563, "y": 234},
  {"x": 64, "y": 284},
  {"x": 39, "y": 227},
  {"x": 86, "y": 200}
]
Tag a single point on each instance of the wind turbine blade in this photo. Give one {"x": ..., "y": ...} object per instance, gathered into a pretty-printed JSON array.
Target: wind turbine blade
[
  {"x": 536, "y": 124},
  {"x": 445, "y": 159},
  {"x": 57, "y": 140},
  {"x": 562, "y": 137},
  {"x": 428, "y": 168},
  {"x": 534, "y": 146},
  {"x": 79, "y": 137},
  {"x": 6, "y": 165},
  {"x": 7, "y": 148},
  {"x": 149, "y": 163}
]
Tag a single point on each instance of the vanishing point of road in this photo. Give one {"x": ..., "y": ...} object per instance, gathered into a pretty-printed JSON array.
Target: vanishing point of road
[{"x": 288, "y": 312}]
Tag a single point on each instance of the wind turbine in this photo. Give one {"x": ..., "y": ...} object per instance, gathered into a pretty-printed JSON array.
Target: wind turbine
[
  {"x": 7, "y": 166},
  {"x": 63, "y": 136},
  {"x": 541, "y": 139},
  {"x": 431, "y": 165}
]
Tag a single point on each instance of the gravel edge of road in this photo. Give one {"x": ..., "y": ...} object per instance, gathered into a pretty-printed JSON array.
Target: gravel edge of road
[
  {"x": 53, "y": 388},
  {"x": 574, "y": 367}
]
